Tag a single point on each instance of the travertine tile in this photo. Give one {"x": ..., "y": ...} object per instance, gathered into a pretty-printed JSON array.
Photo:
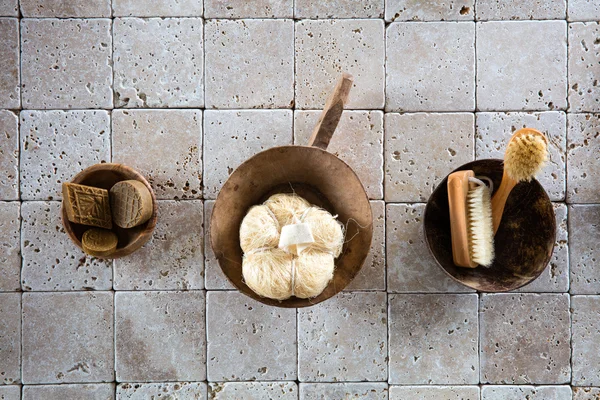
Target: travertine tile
[
  {"x": 66, "y": 63},
  {"x": 436, "y": 75},
  {"x": 358, "y": 140},
  {"x": 248, "y": 340},
  {"x": 10, "y": 246},
  {"x": 338, "y": 9},
  {"x": 160, "y": 336},
  {"x": 9, "y": 155},
  {"x": 10, "y": 338},
  {"x": 173, "y": 349},
  {"x": 10, "y": 96},
  {"x": 434, "y": 347},
  {"x": 141, "y": 137},
  {"x": 584, "y": 58},
  {"x": 68, "y": 337},
  {"x": 9, "y": 8},
  {"x": 248, "y": 132},
  {"x": 214, "y": 276},
  {"x": 57, "y": 145},
  {"x": 586, "y": 393},
  {"x": 434, "y": 392},
  {"x": 170, "y": 391},
  {"x": 526, "y": 392},
  {"x": 173, "y": 258},
  {"x": 253, "y": 390},
  {"x": 157, "y": 8},
  {"x": 444, "y": 10},
  {"x": 510, "y": 56},
  {"x": 93, "y": 391},
  {"x": 245, "y": 9},
  {"x": 65, "y": 9},
  {"x": 10, "y": 392},
  {"x": 586, "y": 340},
  {"x": 372, "y": 273},
  {"x": 326, "y": 391},
  {"x": 326, "y": 48},
  {"x": 410, "y": 266},
  {"x": 494, "y": 130},
  {"x": 521, "y": 9},
  {"x": 583, "y": 164},
  {"x": 166, "y": 71},
  {"x": 245, "y": 67},
  {"x": 584, "y": 253},
  {"x": 329, "y": 349},
  {"x": 50, "y": 259},
  {"x": 583, "y": 10},
  {"x": 555, "y": 277},
  {"x": 525, "y": 338},
  {"x": 421, "y": 149}
]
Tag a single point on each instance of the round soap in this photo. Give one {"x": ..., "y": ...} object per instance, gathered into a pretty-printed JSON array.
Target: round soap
[
  {"x": 130, "y": 203},
  {"x": 99, "y": 242}
]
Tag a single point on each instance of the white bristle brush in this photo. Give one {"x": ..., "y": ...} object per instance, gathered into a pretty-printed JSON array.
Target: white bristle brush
[{"x": 470, "y": 220}]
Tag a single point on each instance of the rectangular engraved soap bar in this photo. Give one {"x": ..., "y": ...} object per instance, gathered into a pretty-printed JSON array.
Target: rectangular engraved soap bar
[{"x": 87, "y": 205}]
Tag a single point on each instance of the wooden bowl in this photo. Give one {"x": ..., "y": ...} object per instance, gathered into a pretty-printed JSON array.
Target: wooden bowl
[
  {"x": 312, "y": 173},
  {"x": 524, "y": 241},
  {"x": 332, "y": 185},
  {"x": 105, "y": 176}
]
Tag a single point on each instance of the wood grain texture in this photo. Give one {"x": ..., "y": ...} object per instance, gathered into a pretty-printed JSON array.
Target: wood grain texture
[
  {"x": 458, "y": 189},
  {"x": 332, "y": 112}
]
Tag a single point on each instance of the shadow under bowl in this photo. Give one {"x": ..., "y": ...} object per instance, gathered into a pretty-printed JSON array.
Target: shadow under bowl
[
  {"x": 524, "y": 241},
  {"x": 312, "y": 173},
  {"x": 104, "y": 176}
]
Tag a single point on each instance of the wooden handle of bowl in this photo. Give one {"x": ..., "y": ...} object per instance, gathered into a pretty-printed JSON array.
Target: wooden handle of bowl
[
  {"x": 332, "y": 112},
  {"x": 458, "y": 188}
]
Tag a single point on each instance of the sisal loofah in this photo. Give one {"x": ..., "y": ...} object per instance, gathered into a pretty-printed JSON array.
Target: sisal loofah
[
  {"x": 259, "y": 219},
  {"x": 327, "y": 231},
  {"x": 286, "y": 207},
  {"x": 303, "y": 270},
  {"x": 314, "y": 270}
]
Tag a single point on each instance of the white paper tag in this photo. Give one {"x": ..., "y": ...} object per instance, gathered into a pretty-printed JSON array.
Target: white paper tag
[{"x": 295, "y": 238}]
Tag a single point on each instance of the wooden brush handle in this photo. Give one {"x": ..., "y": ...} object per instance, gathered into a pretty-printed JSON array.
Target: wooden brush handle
[
  {"x": 458, "y": 188},
  {"x": 499, "y": 199},
  {"x": 332, "y": 112}
]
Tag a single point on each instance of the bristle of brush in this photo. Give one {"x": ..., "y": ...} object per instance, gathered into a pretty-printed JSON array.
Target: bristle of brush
[
  {"x": 525, "y": 156},
  {"x": 480, "y": 226}
]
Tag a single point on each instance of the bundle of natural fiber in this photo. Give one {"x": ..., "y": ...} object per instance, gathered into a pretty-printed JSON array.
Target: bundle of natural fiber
[{"x": 289, "y": 247}]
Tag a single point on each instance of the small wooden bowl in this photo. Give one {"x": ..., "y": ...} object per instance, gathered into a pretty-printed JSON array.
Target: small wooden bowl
[
  {"x": 524, "y": 241},
  {"x": 105, "y": 176},
  {"x": 312, "y": 173}
]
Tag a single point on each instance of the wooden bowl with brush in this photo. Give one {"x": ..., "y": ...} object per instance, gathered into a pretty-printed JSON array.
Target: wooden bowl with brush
[
  {"x": 105, "y": 176},
  {"x": 523, "y": 242},
  {"x": 312, "y": 173}
]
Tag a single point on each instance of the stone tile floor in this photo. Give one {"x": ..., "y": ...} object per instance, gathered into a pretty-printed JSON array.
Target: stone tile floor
[{"x": 185, "y": 91}]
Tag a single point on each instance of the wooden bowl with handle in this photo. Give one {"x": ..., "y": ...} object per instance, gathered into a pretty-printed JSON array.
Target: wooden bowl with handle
[
  {"x": 104, "y": 176},
  {"x": 314, "y": 174},
  {"x": 523, "y": 244}
]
